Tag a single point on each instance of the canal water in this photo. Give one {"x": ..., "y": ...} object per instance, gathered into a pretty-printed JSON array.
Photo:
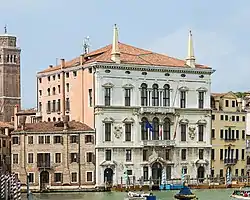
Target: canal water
[{"x": 161, "y": 195}]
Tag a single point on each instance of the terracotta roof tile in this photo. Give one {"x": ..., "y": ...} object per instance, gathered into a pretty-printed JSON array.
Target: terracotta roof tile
[
  {"x": 129, "y": 55},
  {"x": 54, "y": 127},
  {"x": 6, "y": 125}
]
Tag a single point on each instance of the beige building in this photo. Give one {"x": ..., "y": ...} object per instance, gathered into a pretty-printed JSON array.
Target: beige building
[
  {"x": 228, "y": 136},
  {"x": 55, "y": 155},
  {"x": 5, "y": 147}
]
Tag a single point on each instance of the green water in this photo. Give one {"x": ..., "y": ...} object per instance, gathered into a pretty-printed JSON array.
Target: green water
[{"x": 202, "y": 195}]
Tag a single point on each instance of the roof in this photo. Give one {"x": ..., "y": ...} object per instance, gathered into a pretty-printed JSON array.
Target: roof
[
  {"x": 54, "y": 127},
  {"x": 129, "y": 55},
  {"x": 6, "y": 125}
]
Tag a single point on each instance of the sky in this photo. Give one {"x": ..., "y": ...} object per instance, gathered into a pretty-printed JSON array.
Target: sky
[{"x": 48, "y": 30}]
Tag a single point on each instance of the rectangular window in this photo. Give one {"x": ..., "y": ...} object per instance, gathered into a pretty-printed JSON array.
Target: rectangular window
[
  {"x": 47, "y": 139},
  {"x": 58, "y": 105},
  {"x": 222, "y": 117},
  {"x": 74, "y": 157},
  {"x": 128, "y": 155},
  {"x": 242, "y": 154},
  {"x": 233, "y": 103},
  {"x": 67, "y": 106},
  {"x": 221, "y": 134},
  {"x": 107, "y": 96},
  {"x": 183, "y": 154},
  {"x": 201, "y": 99},
  {"x": 127, "y": 97},
  {"x": 201, "y": 154},
  {"x": 30, "y": 158},
  {"x": 48, "y": 107},
  {"x": 145, "y": 173},
  {"x": 89, "y": 139},
  {"x": 107, "y": 131},
  {"x": 221, "y": 172},
  {"x": 89, "y": 176},
  {"x": 58, "y": 140},
  {"x": 227, "y": 103},
  {"x": 243, "y": 134},
  {"x": 128, "y": 132},
  {"x": 75, "y": 73},
  {"x": 73, "y": 177},
  {"x": 58, "y": 157},
  {"x": 167, "y": 154},
  {"x": 74, "y": 139},
  {"x": 89, "y": 156},
  {"x": 201, "y": 133},
  {"x": 15, "y": 158},
  {"x": 213, "y": 134},
  {"x": 237, "y": 154},
  {"x": 213, "y": 117},
  {"x": 108, "y": 155},
  {"x": 242, "y": 172},
  {"x": 15, "y": 140},
  {"x": 40, "y": 139},
  {"x": 183, "y": 132},
  {"x": 183, "y": 99},
  {"x": 54, "y": 106},
  {"x": 59, "y": 89},
  {"x": 58, "y": 177},
  {"x": 30, "y": 139},
  {"x": 90, "y": 98},
  {"x": 221, "y": 154},
  {"x": 31, "y": 177},
  {"x": 145, "y": 155},
  {"x": 212, "y": 154}
]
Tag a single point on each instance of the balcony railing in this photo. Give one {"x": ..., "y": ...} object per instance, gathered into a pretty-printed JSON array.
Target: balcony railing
[
  {"x": 230, "y": 139},
  {"x": 158, "y": 143},
  {"x": 156, "y": 109},
  {"x": 230, "y": 161},
  {"x": 45, "y": 164}
]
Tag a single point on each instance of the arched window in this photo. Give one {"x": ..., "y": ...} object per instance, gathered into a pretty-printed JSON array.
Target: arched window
[
  {"x": 144, "y": 131},
  {"x": 48, "y": 91},
  {"x": 166, "y": 129},
  {"x": 54, "y": 90},
  {"x": 248, "y": 160},
  {"x": 155, "y": 129},
  {"x": 155, "y": 95},
  {"x": 49, "y": 119},
  {"x": 166, "y": 95},
  {"x": 54, "y": 119},
  {"x": 144, "y": 94}
]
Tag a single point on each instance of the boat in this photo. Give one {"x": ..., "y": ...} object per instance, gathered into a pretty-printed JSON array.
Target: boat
[
  {"x": 185, "y": 194},
  {"x": 240, "y": 194},
  {"x": 138, "y": 196}
]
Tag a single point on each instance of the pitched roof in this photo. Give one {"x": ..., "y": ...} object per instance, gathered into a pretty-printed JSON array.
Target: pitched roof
[
  {"x": 129, "y": 55},
  {"x": 6, "y": 125},
  {"x": 54, "y": 127}
]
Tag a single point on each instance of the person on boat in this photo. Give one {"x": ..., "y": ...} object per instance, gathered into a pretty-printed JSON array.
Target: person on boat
[
  {"x": 245, "y": 194},
  {"x": 185, "y": 190}
]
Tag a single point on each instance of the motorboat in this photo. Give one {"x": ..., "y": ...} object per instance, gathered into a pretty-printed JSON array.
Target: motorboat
[
  {"x": 240, "y": 194},
  {"x": 138, "y": 196}
]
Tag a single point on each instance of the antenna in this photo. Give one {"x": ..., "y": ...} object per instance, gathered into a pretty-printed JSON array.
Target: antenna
[
  {"x": 5, "y": 29},
  {"x": 86, "y": 45}
]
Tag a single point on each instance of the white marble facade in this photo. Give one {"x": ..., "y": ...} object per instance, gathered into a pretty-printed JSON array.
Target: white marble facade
[{"x": 122, "y": 147}]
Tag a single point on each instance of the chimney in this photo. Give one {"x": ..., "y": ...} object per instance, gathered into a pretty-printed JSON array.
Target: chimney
[
  {"x": 63, "y": 87},
  {"x": 239, "y": 102},
  {"x": 65, "y": 122},
  {"x": 81, "y": 59},
  {"x": 16, "y": 108},
  {"x": 22, "y": 121},
  {"x": 50, "y": 66}
]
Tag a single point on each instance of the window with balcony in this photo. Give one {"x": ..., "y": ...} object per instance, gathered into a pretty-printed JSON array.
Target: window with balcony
[
  {"x": 201, "y": 133},
  {"x": 144, "y": 131},
  {"x": 43, "y": 160},
  {"x": 30, "y": 158},
  {"x": 183, "y": 132},
  {"x": 155, "y": 128},
  {"x": 127, "y": 97},
  {"x": 144, "y": 94},
  {"x": 128, "y": 136},
  {"x": 183, "y": 99},
  {"x": 108, "y": 155},
  {"x": 166, "y": 95},
  {"x": 166, "y": 129},
  {"x": 107, "y": 132},
  {"x": 128, "y": 155},
  {"x": 155, "y": 95},
  {"x": 201, "y": 99},
  {"x": 183, "y": 154},
  {"x": 73, "y": 157}
]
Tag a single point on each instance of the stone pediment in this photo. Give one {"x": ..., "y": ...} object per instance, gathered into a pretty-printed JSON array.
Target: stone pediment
[
  {"x": 108, "y": 120},
  {"x": 184, "y": 88},
  {"x": 201, "y": 162},
  {"x": 184, "y": 121},
  {"x": 108, "y": 163},
  {"x": 229, "y": 95},
  {"x": 128, "y": 86},
  {"x": 202, "y": 89},
  {"x": 128, "y": 120},
  {"x": 202, "y": 122},
  {"x": 108, "y": 85}
]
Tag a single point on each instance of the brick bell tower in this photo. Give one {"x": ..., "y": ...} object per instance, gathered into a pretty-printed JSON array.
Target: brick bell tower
[{"x": 10, "y": 94}]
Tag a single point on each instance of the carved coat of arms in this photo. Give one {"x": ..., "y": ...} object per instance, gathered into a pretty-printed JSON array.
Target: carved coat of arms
[
  {"x": 192, "y": 132},
  {"x": 118, "y": 131}
]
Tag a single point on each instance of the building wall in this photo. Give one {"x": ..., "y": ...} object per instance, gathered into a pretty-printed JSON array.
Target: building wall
[
  {"x": 80, "y": 80},
  {"x": 221, "y": 143},
  {"x": 65, "y": 167},
  {"x": 5, "y": 149},
  {"x": 117, "y": 113}
]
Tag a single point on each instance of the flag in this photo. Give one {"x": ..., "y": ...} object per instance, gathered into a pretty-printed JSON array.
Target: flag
[
  {"x": 150, "y": 128},
  {"x": 175, "y": 134}
]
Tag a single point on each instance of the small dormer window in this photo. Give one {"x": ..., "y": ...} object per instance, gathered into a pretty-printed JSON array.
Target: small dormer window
[{"x": 227, "y": 103}]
